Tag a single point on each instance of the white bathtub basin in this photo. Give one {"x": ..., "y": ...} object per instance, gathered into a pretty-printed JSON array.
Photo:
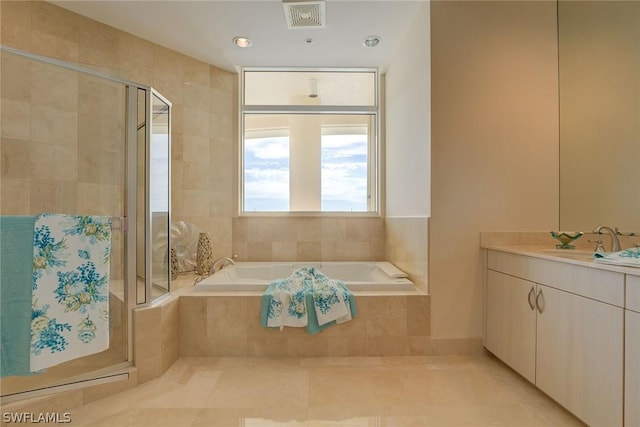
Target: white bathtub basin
[{"x": 256, "y": 276}]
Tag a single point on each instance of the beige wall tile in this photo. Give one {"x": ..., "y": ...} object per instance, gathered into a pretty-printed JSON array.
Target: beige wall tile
[
  {"x": 15, "y": 155},
  {"x": 16, "y": 24},
  {"x": 385, "y": 317},
  {"x": 14, "y": 196},
  {"x": 226, "y": 317},
  {"x": 16, "y": 78},
  {"x": 193, "y": 326},
  {"x": 16, "y": 119}
]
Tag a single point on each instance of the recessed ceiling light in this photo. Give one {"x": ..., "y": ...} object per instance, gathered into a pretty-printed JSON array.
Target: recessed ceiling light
[
  {"x": 241, "y": 41},
  {"x": 371, "y": 41}
]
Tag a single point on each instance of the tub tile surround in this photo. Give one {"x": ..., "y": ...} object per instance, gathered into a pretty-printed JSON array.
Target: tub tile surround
[
  {"x": 406, "y": 246},
  {"x": 386, "y": 325},
  {"x": 308, "y": 238}
]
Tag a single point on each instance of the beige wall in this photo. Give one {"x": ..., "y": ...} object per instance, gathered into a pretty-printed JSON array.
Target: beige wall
[
  {"x": 494, "y": 143},
  {"x": 494, "y": 135}
]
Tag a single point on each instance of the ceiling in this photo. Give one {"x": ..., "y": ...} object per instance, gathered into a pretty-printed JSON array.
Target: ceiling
[{"x": 205, "y": 29}]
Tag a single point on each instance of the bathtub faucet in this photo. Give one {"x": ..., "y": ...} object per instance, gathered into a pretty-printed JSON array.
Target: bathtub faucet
[{"x": 219, "y": 263}]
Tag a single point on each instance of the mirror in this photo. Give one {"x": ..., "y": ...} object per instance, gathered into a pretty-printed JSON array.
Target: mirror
[{"x": 599, "y": 90}]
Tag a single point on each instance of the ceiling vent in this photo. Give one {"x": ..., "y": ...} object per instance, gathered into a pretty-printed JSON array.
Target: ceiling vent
[{"x": 304, "y": 14}]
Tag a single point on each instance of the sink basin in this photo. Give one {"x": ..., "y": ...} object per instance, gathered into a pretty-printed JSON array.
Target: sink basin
[{"x": 579, "y": 255}]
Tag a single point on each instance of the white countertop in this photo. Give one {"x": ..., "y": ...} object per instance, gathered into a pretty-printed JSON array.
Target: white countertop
[{"x": 577, "y": 257}]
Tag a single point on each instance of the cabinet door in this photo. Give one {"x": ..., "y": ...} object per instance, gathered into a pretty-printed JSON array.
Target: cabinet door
[
  {"x": 580, "y": 355},
  {"x": 632, "y": 370},
  {"x": 511, "y": 322}
]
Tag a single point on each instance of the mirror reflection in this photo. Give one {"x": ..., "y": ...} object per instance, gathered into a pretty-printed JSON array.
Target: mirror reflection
[
  {"x": 159, "y": 184},
  {"x": 599, "y": 90}
]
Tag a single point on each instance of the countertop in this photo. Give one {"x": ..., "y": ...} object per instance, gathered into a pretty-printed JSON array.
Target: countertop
[{"x": 579, "y": 257}]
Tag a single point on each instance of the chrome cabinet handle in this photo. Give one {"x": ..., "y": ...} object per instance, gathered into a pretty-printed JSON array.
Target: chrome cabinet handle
[
  {"x": 540, "y": 297},
  {"x": 529, "y": 296}
]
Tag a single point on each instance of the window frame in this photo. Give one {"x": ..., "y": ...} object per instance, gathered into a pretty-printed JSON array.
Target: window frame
[{"x": 374, "y": 163}]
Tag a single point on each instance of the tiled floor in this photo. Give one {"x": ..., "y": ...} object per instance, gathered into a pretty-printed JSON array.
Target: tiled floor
[{"x": 294, "y": 392}]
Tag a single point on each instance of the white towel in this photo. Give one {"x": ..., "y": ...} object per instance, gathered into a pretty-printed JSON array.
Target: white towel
[
  {"x": 70, "y": 299},
  {"x": 391, "y": 270},
  {"x": 627, "y": 258},
  {"x": 329, "y": 300},
  {"x": 288, "y": 305}
]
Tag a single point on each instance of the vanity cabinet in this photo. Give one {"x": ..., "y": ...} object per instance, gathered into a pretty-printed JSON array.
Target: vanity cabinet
[
  {"x": 561, "y": 326},
  {"x": 632, "y": 353},
  {"x": 511, "y": 322}
]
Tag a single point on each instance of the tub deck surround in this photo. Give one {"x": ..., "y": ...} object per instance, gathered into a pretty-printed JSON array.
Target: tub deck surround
[{"x": 358, "y": 276}]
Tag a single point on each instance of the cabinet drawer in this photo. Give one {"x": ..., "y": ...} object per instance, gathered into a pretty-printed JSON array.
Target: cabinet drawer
[
  {"x": 633, "y": 293},
  {"x": 601, "y": 285}
]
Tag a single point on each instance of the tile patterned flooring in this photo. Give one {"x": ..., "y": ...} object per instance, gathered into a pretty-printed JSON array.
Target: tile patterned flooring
[{"x": 318, "y": 392}]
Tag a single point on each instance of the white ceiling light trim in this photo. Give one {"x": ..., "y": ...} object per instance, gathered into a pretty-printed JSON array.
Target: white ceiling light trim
[{"x": 304, "y": 14}]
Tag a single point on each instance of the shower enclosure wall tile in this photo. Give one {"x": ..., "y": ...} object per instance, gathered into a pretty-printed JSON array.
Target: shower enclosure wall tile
[
  {"x": 100, "y": 166},
  {"x": 54, "y": 46},
  {"x": 53, "y": 126},
  {"x": 14, "y": 196},
  {"x": 16, "y": 119},
  {"x": 16, "y": 24},
  {"x": 98, "y": 45},
  {"x": 54, "y": 88},
  {"x": 56, "y": 21},
  {"x": 15, "y": 155},
  {"x": 100, "y": 199},
  {"x": 53, "y": 196},
  {"x": 54, "y": 162},
  {"x": 16, "y": 80},
  {"x": 135, "y": 52}
]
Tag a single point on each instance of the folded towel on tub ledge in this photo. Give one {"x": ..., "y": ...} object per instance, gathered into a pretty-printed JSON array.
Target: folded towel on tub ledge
[
  {"x": 70, "y": 299},
  {"x": 286, "y": 302}
]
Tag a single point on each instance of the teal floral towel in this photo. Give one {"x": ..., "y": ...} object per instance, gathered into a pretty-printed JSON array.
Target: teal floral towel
[
  {"x": 16, "y": 247},
  {"x": 70, "y": 299},
  {"x": 627, "y": 258},
  {"x": 286, "y": 301}
]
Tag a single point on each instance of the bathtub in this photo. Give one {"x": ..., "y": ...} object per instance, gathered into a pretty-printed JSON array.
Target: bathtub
[{"x": 358, "y": 276}]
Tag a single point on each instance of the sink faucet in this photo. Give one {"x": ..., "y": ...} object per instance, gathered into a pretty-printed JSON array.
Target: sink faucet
[{"x": 615, "y": 242}]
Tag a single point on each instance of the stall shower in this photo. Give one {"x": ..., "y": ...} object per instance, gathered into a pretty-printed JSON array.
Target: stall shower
[{"x": 83, "y": 142}]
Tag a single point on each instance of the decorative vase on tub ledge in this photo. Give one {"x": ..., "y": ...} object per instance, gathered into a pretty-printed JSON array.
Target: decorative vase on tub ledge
[{"x": 204, "y": 254}]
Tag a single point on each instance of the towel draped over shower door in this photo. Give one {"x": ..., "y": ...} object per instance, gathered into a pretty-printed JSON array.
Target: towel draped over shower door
[{"x": 70, "y": 299}]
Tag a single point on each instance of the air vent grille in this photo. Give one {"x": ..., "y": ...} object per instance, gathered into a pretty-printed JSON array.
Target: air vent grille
[{"x": 304, "y": 14}]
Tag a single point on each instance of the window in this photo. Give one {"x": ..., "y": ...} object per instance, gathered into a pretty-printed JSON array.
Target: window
[{"x": 309, "y": 141}]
